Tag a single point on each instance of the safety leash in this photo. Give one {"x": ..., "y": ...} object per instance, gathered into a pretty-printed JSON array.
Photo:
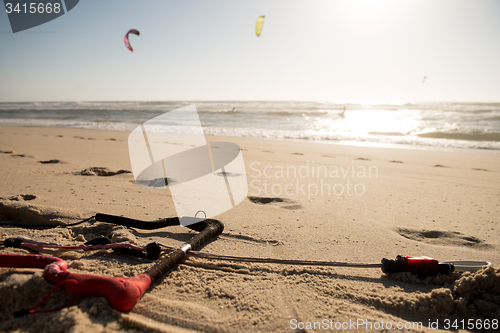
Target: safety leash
[{"x": 414, "y": 265}]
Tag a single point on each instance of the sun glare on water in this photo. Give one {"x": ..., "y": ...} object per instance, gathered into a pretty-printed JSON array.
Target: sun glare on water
[
  {"x": 364, "y": 122},
  {"x": 378, "y": 121}
]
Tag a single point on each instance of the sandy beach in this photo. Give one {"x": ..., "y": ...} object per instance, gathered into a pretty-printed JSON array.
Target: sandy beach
[{"x": 306, "y": 200}]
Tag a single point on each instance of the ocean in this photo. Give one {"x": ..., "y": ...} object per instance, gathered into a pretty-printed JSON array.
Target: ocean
[{"x": 427, "y": 125}]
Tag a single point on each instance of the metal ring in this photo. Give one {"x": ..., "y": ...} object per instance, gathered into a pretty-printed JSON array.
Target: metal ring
[{"x": 202, "y": 212}]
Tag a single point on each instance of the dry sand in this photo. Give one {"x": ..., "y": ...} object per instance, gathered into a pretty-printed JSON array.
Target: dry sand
[{"x": 438, "y": 203}]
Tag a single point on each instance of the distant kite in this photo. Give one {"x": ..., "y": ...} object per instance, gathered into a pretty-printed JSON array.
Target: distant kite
[
  {"x": 125, "y": 39},
  {"x": 258, "y": 26},
  {"x": 423, "y": 81}
]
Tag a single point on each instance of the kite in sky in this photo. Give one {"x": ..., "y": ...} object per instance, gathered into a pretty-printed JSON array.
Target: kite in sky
[
  {"x": 423, "y": 81},
  {"x": 125, "y": 39},
  {"x": 258, "y": 26}
]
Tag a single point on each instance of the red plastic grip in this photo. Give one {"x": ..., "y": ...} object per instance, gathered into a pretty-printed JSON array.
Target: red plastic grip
[
  {"x": 30, "y": 261},
  {"x": 419, "y": 264},
  {"x": 122, "y": 293}
]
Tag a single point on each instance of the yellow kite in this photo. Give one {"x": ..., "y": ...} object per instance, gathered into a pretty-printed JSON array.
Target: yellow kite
[{"x": 258, "y": 26}]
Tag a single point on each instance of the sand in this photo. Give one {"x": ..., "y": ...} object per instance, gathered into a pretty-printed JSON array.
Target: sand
[{"x": 306, "y": 200}]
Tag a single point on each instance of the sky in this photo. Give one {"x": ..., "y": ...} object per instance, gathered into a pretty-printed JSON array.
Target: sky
[{"x": 196, "y": 50}]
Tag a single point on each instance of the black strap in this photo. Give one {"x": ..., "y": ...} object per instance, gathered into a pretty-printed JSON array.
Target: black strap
[
  {"x": 119, "y": 220},
  {"x": 146, "y": 225}
]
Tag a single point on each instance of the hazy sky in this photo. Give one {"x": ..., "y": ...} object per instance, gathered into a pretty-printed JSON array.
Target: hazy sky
[{"x": 207, "y": 50}]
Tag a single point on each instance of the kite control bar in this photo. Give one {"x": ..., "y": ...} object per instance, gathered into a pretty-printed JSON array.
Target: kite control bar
[
  {"x": 414, "y": 265},
  {"x": 122, "y": 293},
  {"x": 163, "y": 265}
]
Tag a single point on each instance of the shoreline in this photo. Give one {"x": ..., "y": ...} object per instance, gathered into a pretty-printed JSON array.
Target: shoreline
[{"x": 366, "y": 144}]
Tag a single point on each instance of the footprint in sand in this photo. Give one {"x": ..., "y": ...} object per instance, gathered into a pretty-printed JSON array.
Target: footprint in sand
[
  {"x": 23, "y": 197},
  {"x": 478, "y": 169},
  {"x": 281, "y": 202},
  {"x": 395, "y": 161},
  {"x": 13, "y": 153},
  {"x": 363, "y": 159},
  {"x": 439, "y": 166},
  {"x": 296, "y": 154},
  {"x": 450, "y": 238},
  {"x": 99, "y": 171},
  {"x": 330, "y": 156},
  {"x": 268, "y": 151},
  {"x": 21, "y": 155},
  {"x": 49, "y": 162}
]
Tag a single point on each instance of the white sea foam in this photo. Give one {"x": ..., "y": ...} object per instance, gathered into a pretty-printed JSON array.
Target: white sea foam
[{"x": 458, "y": 125}]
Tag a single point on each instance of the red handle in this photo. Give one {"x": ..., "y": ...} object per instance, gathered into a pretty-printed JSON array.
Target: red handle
[
  {"x": 30, "y": 261},
  {"x": 122, "y": 293}
]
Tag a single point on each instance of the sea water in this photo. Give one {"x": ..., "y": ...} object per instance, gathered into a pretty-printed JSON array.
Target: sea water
[{"x": 454, "y": 125}]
